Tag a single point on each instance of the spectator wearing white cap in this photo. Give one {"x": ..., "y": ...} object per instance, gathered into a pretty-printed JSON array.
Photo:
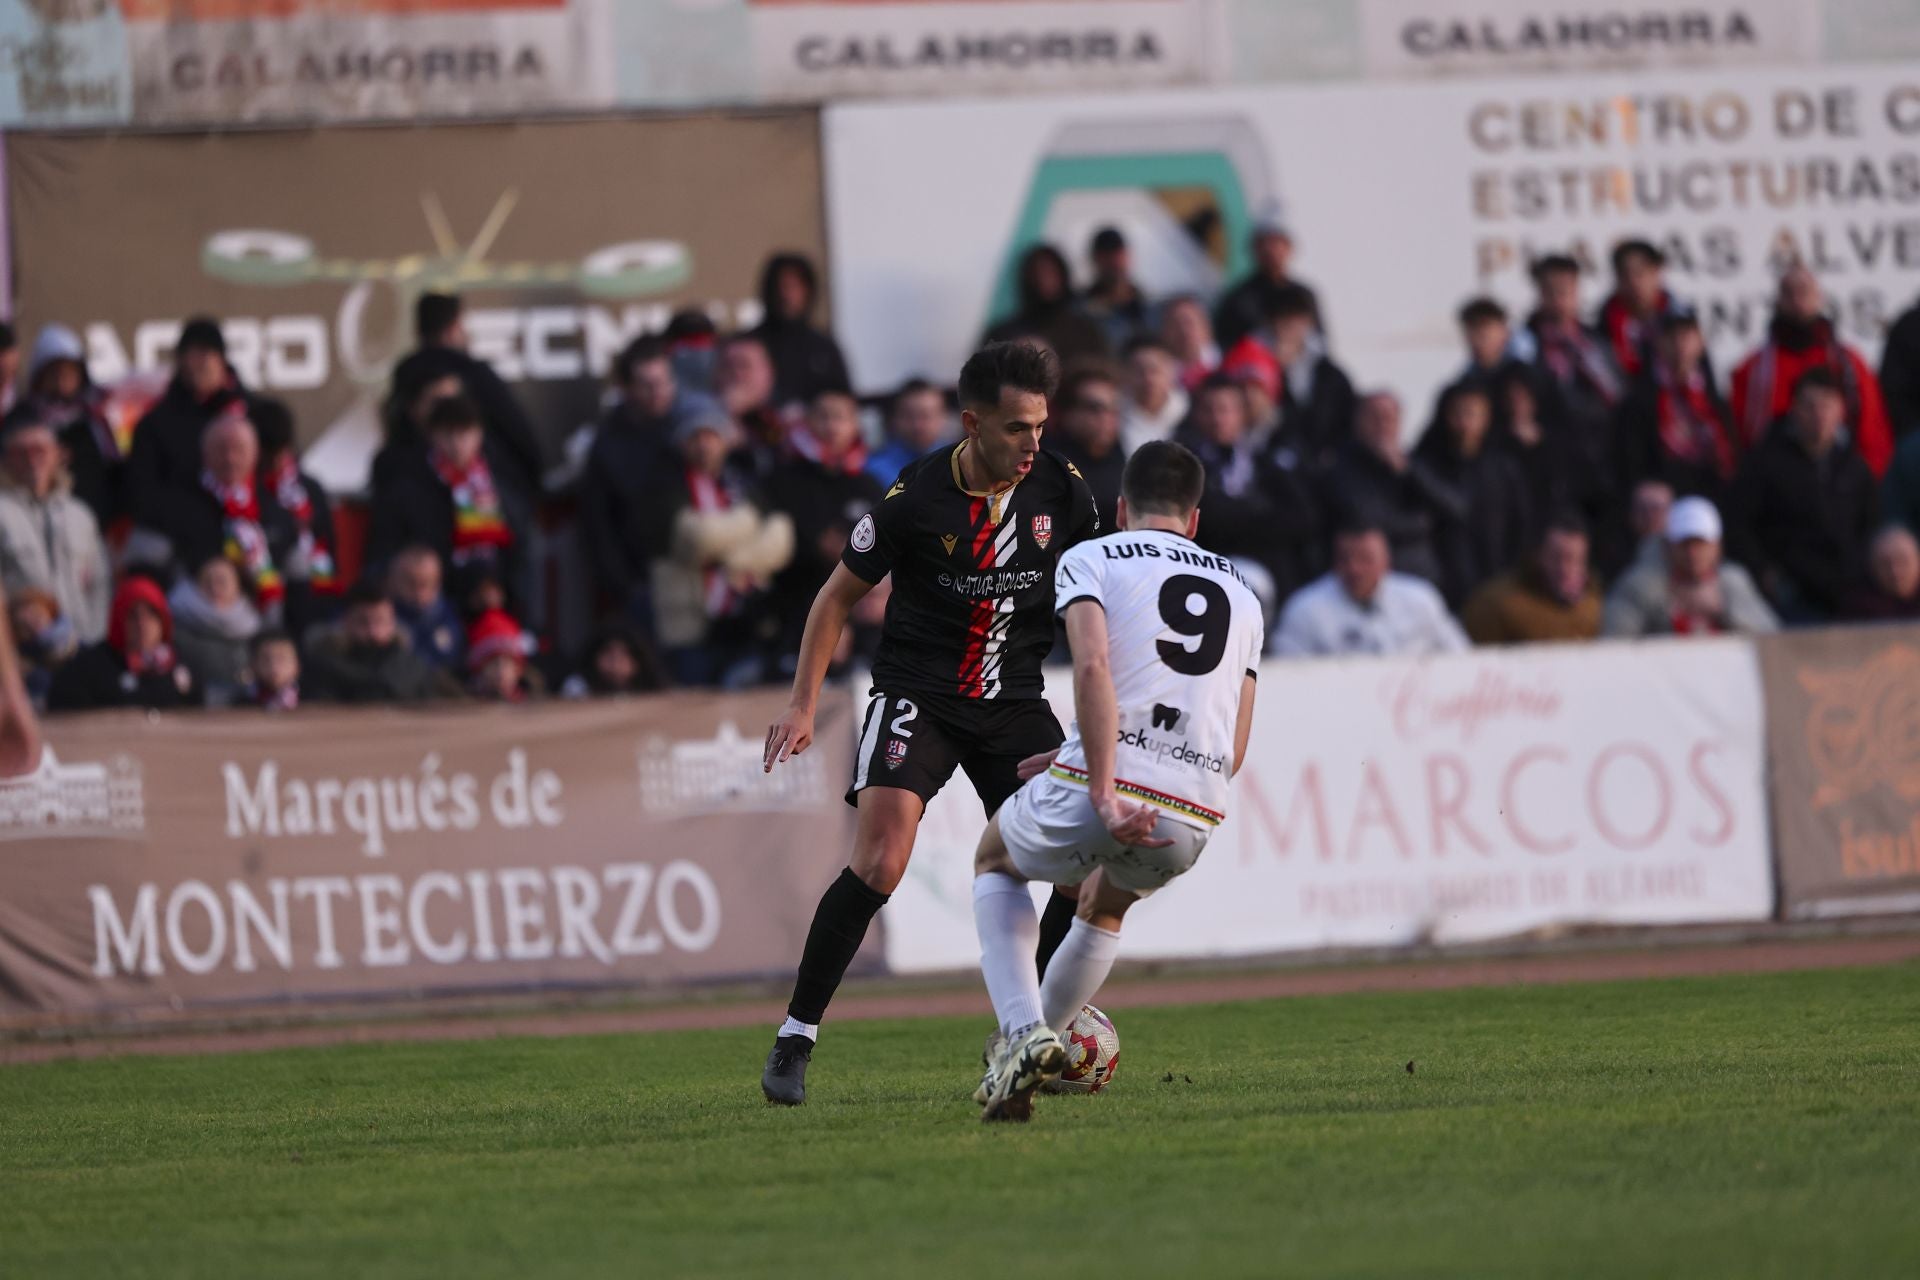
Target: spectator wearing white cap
[
  {"x": 1695, "y": 592},
  {"x": 1363, "y": 607}
]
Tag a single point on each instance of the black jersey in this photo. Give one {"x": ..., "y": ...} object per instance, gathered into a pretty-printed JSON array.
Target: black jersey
[{"x": 972, "y": 606}]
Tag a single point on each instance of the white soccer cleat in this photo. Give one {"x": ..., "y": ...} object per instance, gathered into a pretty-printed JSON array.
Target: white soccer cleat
[{"x": 1024, "y": 1065}]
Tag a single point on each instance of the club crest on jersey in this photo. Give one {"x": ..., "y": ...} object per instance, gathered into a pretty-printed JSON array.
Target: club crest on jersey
[
  {"x": 896, "y": 753},
  {"x": 1042, "y": 531},
  {"x": 949, "y": 541}
]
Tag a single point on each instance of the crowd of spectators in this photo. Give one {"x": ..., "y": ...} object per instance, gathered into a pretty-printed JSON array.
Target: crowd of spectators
[{"x": 1581, "y": 476}]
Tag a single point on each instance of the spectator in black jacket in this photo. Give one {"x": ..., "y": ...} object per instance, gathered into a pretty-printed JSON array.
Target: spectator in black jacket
[
  {"x": 1806, "y": 506},
  {"x": 224, "y": 510},
  {"x": 633, "y": 459},
  {"x": 1674, "y": 425},
  {"x": 1375, "y": 482},
  {"x": 1251, "y": 510},
  {"x": 806, "y": 359},
  {"x": 58, "y": 380},
  {"x": 1115, "y": 298},
  {"x": 165, "y": 457},
  {"x": 1085, "y": 430},
  {"x": 363, "y": 658},
  {"x": 135, "y": 666},
  {"x": 1900, "y": 372},
  {"x": 444, "y": 496},
  {"x": 1489, "y": 536},
  {"x": 1316, "y": 400},
  {"x": 313, "y": 579},
  {"x": 1048, "y": 310},
  {"x": 1573, "y": 356},
  {"x": 1245, "y": 307},
  {"x": 513, "y": 445},
  {"x": 823, "y": 486}
]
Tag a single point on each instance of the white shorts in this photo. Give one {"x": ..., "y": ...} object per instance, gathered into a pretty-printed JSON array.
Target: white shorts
[{"x": 1053, "y": 834}]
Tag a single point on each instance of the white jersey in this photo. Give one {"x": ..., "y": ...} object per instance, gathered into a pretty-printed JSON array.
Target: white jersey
[{"x": 1184, "y": 631}]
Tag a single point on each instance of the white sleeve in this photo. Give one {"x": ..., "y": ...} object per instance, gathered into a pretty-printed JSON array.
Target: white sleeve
[
  {"x": 1445, "y": 633},
  {"x": 1078, "y": 577}
]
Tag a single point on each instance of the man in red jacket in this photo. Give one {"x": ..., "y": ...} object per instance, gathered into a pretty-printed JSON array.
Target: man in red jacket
[{"x": 1801, "y": 339}]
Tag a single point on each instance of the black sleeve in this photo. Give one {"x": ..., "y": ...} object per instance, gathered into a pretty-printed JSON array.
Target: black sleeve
[
  {"x": 1083, "y": 513},
  {"x": 509, "y": 422},
  {"x": 879, "y": 538},
  {"x": 144, "y": 485},
  {"x": 600, "y": 527}
]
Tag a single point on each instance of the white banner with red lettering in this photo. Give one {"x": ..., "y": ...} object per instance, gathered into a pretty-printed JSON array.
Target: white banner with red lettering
[{"x": 1393, "y": 802}]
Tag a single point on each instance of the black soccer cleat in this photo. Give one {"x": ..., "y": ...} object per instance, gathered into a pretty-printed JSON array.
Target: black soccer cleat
[{"x": 785, "y": 1079}]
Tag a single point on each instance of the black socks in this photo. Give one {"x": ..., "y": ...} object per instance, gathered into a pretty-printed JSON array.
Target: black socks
[
  {"x": 839, "y": 925},
  {"x": 1055, "y": 922}
]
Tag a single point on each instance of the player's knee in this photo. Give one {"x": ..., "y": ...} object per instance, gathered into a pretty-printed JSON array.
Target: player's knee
[{"x": 992, "y": 854}]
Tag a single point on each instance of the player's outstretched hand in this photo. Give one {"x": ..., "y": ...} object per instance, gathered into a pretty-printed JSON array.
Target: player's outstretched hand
[
  {"x": 791, "y": 734},
  {"x": 1034, "y": 766},
  {"x": 1131, "y": 824}
]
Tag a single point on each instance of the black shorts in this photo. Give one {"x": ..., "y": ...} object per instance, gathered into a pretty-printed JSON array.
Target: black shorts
[{"x": 913, "y": 742}]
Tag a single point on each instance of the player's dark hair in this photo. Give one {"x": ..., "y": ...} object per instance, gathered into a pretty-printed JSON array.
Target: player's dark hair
[
  {"x": 1163, "y": 479},
  {"x": 434, "y": 314},
  {"x": 452, "y": 413},
  {"x": 1482, "y": 311},
  {"x": 1627, "y": 249},
  {"x": 1000, "y": 365}
]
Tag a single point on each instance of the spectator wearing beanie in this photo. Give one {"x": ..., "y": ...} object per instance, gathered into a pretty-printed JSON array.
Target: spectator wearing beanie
[
  {"x": 213, "y": 629},
  {"x": 497, "y": 668},
  {"x": 1048, "y": 310},
  {"x": 618, "y": 661},
  {"x": 227, "y": 512},
  {"x": 273, "y": 672},
  {"x": 1694, "y": 592},
  {"x": 445, "y": 497},
  {"x": 44, "y": 639},
  {"x": 135, "y": 665},
  {"x": 314, "y": 587},
  {"x": 1806, "y": 506},
  {"x": 513, "y": 447},
  {"x": 49, "y": 539},
  {"x": 364, "y": 657},
  {"x": 166, "y": 457},
  {"x": 806, "y": 359},
  {"x": 1364, "y": 607},
  {"x": 1550, "y": 596},
  {"x": 1478, "y": 542},
  {"x": 1801, "y": 339},
  {"x": 59, "y": 382},
  {"x": 720, "y": 549}
]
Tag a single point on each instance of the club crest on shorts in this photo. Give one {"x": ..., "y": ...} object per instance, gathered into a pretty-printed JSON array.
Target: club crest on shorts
[
  {"x": 896, "y": 753},
  {"x": 1042, "y": 531}
]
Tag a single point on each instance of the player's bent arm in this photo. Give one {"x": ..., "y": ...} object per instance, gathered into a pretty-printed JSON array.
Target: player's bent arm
[
  {"x": 793, "y": 732},
  {"x": 1243, "y": 728},
  {"x": 1094, "y": 703}
]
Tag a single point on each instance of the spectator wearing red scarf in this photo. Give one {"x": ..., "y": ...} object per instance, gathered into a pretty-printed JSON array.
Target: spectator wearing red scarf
[
  {"x": 135, "y": 666},
  {"x": 314, "y": 587},
  {"x": 443, "y": 495},
  {"x": 1673, "y": 425},
  {"x": 1800, "y": 340},
  {"x": 1630, "y": 319},
  {"x": 824, "y": 487},
  {"x": 226, "y": 511}
]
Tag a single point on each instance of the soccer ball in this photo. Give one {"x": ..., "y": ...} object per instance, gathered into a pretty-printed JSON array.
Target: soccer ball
[{"x": 1093, "y": 1053}]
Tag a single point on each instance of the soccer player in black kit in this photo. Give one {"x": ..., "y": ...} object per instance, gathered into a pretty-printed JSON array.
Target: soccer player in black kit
[{"x": 970, "y": 533}]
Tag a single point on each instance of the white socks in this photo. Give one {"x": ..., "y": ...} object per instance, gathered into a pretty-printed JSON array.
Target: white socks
[
  {"x": 794, "y": 1027},
  {"x": 1075, "y": 973},
  {"x": 1009, "y": 934}
]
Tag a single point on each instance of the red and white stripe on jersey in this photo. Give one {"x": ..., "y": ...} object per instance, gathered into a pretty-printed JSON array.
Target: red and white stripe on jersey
[{"x": 991, "y": 618}]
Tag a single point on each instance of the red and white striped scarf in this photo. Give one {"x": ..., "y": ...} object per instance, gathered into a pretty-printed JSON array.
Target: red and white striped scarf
[{"x": 1691, "y": 428}]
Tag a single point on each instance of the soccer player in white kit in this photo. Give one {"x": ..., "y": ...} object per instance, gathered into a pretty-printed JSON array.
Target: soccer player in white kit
[{"x": 1166, "y": 641}]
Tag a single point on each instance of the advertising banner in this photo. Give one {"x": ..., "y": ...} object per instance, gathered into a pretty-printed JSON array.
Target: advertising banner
[
  {"x": 816, "y": 50},
  {"x": 192, "y": 861},
  {"x": 567, "y": 240},
  {"x": 1843, "y": 713},
  {"x": 1392, "y": 802},
  {"x": 1404, "y": 201}
]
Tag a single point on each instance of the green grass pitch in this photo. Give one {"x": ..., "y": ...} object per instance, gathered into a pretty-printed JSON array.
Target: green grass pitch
[{"x": 1745, "y": 1127}]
